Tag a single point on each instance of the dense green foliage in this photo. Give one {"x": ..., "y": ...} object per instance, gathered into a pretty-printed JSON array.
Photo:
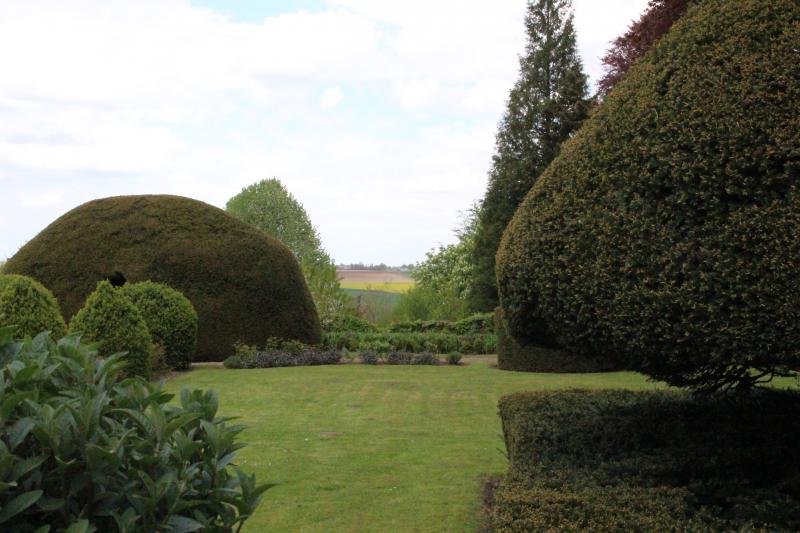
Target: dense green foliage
[
  {"x": 270, "y": 207},
  {"x": 546, "y": 106},
  {"x": 244, "y": 285},
  {"x": 385, "y": 341},
  {"x": 277, "y": 358},
  {"x": 482, "y": 323},
  {"x": 665, "y": 234},
  {"x": 346, "y": 322},
  {"x": 27, "y": 304},
  {"x": 116, "y": 324},
  {"x": 82, "y": 450},
  {"x": 170, "y": 318},
  {"x": 655, "y": 461},
  {"x": 539, "y": 356}
]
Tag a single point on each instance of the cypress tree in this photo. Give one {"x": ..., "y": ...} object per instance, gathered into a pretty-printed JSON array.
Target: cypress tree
[{"x": 547, "y": 104}]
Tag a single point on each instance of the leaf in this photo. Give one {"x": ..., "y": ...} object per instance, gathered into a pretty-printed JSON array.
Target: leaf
[
  {"x": 183, "y": 524},
  {"x": 18, "y": 432},
  {"x": 81, "y": 526},
  {"x": 19, "y": 504}
]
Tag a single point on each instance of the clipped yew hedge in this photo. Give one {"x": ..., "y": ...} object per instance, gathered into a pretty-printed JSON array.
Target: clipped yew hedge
[
  {"x": 665, "y": 233},
  {"x": 28, "y": 305},
  {"x": 245, "y": 285},
  {"x": 621, "y": 461}
]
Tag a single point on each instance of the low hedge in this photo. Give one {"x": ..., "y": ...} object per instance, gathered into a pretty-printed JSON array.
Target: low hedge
[
  {"x": 29, "y": 305},
  {"x": 246, "y": 359},
  {"x": 346, "y": 322},
  {"x": 410, "y": 342},
  {"x": 83, "y": 450},
  {"x": 476, "y": 324},
  {"x": 514, "y": 355},
  {"x": 649, "y": 461}
]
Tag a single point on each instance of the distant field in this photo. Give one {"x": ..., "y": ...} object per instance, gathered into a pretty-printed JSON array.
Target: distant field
[{"x": 395, "y": 282}]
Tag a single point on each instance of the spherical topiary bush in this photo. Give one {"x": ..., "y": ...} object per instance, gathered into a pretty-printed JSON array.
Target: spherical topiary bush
[
  {"x": 170, "y": 318},
  {"x": 112, "y": 320},
  {"x": 665, "y": 235},
  {"x": 27, "y": 304},
  {"x": 244, "y": 285}
]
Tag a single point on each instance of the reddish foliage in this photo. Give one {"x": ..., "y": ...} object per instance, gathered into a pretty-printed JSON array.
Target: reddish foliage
[{"x": 640, "y": 37}]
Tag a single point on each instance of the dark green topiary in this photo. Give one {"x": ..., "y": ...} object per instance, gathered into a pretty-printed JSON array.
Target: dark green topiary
[
  {"x": 532, "y": 357},
  {"x": 27, "y": 304},
  {"x": 113, "y": 321},
  {"x": 244, "y": 285},
  {"x": 170, "y": 318},
  {"x": 666, "y": 232}
]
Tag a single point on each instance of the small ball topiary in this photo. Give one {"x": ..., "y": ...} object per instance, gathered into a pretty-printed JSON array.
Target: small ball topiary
[
  {"x": 170, "y": 318},
  {"x": 29, "y": 305},
  {"x": 112, "y": 320},
  {"x": 665, "y": 235}
]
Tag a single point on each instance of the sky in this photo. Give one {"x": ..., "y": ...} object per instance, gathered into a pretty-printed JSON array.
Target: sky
[{"x": 379, "y": 116}]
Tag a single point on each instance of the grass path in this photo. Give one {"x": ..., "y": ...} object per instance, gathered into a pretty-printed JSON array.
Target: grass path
[{"x": 387, "y": 448}]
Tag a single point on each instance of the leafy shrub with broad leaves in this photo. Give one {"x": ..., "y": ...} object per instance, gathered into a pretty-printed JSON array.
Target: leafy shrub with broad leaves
[
  {"x": 27, "y": 304},
  {"x": 117, "y": 325},
  {"x": 84, "y": 450},
  {"x": 170, "y": 318}
]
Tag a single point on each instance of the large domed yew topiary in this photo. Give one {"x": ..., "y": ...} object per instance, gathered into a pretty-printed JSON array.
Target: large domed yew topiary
[
  {"x": 27, "y": 304},
  {"x": 667, "y": 233},
  {"x": 244, "y": 285}
]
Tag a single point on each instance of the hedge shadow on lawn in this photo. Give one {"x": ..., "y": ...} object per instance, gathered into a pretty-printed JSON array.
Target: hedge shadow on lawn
[{"x": 649, "y": 461}]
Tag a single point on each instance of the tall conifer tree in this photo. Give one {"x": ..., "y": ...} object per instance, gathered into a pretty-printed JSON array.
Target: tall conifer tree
[{"x": 547, "y": 104}]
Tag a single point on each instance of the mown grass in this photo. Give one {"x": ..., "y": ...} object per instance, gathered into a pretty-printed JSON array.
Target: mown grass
[{"x": 386, "y": 448}]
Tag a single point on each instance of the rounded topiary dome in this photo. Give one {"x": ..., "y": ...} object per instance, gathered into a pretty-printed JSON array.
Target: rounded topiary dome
[
  {"x": 27, "y": 304},
  {"x": 244, "y": 285},
  {"x": 666, "y": 233}
]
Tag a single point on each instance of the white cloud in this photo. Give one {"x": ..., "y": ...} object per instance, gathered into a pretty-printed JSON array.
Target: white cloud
[
  {"x": 105, "y": 97},
  {"x": 331, "y": 98}
]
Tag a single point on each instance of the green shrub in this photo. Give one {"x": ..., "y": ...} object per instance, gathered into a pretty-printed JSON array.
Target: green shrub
[
  {"x": 409, "y": 342},
  {"x": 170, "y": 318},
  {"x": 425, "y": 358},
  {"x": 665, "y": 233},
  {"x": 27, "y": 304},
  {"x": 454, "y": 358},
  {"x": 531, "y": 357},
  {"x": 346, "y": 322},
  {"x": 83, "y": 450},
  {"x": 244, "y": 285},
  {"x": 113, "y": 321},
  {"x": 649, "y": 461},
  {"x": 282, "y": 358}
]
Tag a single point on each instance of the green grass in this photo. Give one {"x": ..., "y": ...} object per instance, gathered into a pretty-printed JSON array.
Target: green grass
[{"x": 386, "y": 448}]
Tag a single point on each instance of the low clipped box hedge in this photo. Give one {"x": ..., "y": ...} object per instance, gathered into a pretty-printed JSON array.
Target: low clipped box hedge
[
  {"x": 665, "y": 233},
  {"x": 649, "y": 461},
  {"x": 82, "y": 449},
  {"x": 170, "y": 318},
  {"x": 110, "y": 319},
  {"x": 27, "y": 304}
]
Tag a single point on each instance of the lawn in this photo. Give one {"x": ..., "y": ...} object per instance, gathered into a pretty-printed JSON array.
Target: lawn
[{"x": 386, "y": 448}]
